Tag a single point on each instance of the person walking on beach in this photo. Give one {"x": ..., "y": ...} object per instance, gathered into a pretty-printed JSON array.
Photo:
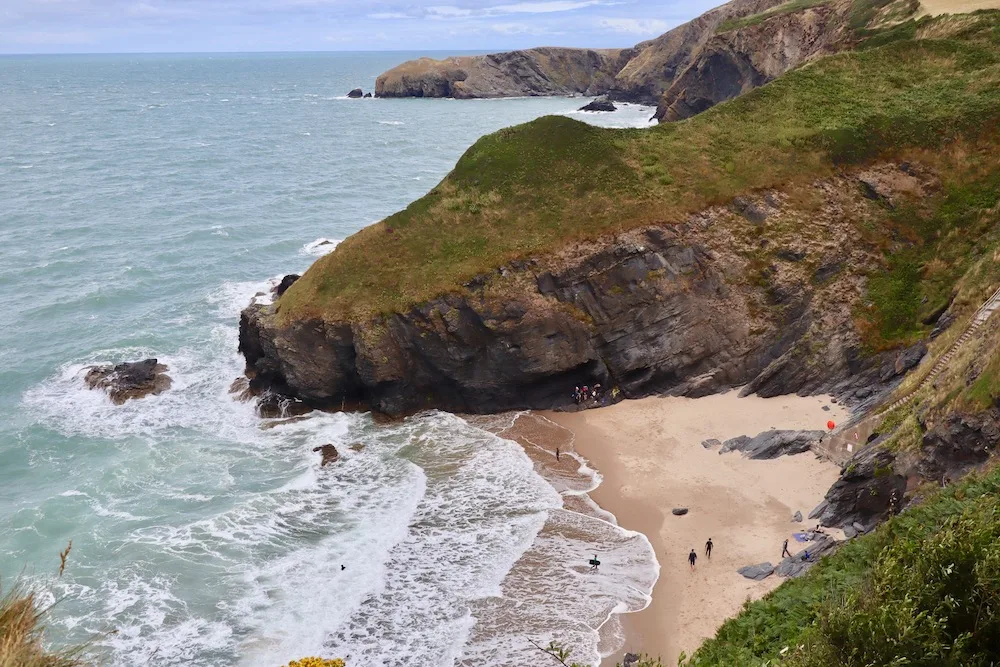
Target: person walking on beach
[
  {"x": 692, "y": 557},
  {"x": 784, "y": 550},
  {"x": 708, "y": 549}
]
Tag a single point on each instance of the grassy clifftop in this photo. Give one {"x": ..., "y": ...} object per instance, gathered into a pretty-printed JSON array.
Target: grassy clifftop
[{"x": 527, "y": 190}]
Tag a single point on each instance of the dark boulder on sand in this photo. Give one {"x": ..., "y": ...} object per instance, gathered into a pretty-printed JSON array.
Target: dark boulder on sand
[
  {"x": 757, "y": 572},
  {"x": 355, "y": 94},
  {"x": 679, "y": 511},
  {"x": 131, "y": 379}
]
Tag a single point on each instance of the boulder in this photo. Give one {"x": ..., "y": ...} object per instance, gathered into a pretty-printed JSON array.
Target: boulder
[
  {"x": 131, "y": 379},
  {"x": 849, "y": 532},
  {"x": 285, "y": 283},
  {"x": 794, "y": 566},
  {"x": 630, "y": 660},
  {"x": 679, "y": 511},
  {"x": 602, "y": 103},
  {"x": 710, "y": 443},
  {"x": 329, "y": 454},
  {"x": 355, "y": 94},
  {"x": 772, "y": 444},
  {"x": 367, "y": 95},
  {"x": 757, "y": 572},
  {"x": 797, "y": 517}
]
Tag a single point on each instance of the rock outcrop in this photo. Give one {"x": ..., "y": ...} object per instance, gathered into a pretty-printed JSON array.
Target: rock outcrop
[
  {"x": 532, "y": 72},
  {"x": 772, "y": 444},
  {"x": 676, "y": 309},
  {"x": 355, "y": 94},
  {"x": 757, "y": 572},
  {"x": 602, "y": 103},
  {"x": 874, "y": 482},
  {"x": 797, "y": 565},
  {"x": 732, "y": 62},
  {"x": 131, "y": 379},
  {"x": 715, "y": 57}
]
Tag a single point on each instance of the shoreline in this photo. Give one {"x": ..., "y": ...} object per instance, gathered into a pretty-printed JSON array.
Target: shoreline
[{"x": 649, "y": 458}]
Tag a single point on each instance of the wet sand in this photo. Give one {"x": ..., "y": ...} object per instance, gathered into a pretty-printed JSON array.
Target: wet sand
[{"x": 650, "y": 455}]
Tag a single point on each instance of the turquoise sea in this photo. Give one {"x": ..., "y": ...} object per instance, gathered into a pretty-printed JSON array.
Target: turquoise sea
[{"x": 144, "y": 200}]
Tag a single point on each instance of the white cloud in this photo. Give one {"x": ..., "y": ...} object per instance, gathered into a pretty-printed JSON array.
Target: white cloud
[
  {"x": 542, "y": 7},
  {"x": 517, "y": 29},
  {"x": 384, "y": 16},
  {"x": 636, "y": 26},
  {"x": 447, "y": 11}
]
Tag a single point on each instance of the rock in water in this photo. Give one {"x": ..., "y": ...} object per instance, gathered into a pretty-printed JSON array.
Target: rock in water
[
  {"x": 131, "y": 379},
  {"x": 367, "y": 95},
  {"x": 285, "y": 283},
  {"x": 329, "y": 452},
  {"x": 355, "y": 94},
  {"x": 757, "y": 572},
  {"x": 602, "y": 103},
  {"x": 679, "y": 511}
]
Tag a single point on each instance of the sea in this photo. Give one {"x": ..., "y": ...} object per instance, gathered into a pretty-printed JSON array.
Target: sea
[{"x": 144, "y": 200}]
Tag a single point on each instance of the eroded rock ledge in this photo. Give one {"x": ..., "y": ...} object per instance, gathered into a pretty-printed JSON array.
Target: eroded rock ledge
[{"x": 758, "y": 293}]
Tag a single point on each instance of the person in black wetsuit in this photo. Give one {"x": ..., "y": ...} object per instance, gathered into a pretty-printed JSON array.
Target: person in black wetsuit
[
  {"x": 785, "y": 551},
  {"x": 692, "y": 557},
  {"x": 708, "y": 548}
]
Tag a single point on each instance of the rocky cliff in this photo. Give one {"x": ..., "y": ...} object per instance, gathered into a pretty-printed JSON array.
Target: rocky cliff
[
  {"x": 685, "y": 309},
  {"x": 717, "y": 56},
  {"x": 541, "y": 71}
]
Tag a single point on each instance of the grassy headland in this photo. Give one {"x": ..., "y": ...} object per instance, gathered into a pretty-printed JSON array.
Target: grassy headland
[{"x": 527, "y": 190}]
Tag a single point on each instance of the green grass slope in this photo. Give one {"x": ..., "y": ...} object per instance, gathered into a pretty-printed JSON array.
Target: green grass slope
[
  {"x": 527, "y": 190},
  {"x": 922, "y": 590}
]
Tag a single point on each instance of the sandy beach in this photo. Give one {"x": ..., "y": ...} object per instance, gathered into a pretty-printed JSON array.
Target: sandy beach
[{"x": 650, "y": 455}]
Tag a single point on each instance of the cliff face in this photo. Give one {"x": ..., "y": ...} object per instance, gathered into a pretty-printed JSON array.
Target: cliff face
[
  {"x": 736, "y": 61},
  {"x": 541, "y": 71},
  {"x": 715, "y": 57},
  {"x": 684, "y": 309}
]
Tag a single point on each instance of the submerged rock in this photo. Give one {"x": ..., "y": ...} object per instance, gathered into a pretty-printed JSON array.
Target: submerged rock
[{"x": 131, "y": 379}]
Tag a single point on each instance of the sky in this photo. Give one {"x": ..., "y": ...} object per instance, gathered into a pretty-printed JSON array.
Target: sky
[{"x": 155, "y": 26}]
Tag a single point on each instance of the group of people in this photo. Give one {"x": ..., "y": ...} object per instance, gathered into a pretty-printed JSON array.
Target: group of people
[
  {"x": 584, "y": 394},
  {"x": 693, "y": 556}
]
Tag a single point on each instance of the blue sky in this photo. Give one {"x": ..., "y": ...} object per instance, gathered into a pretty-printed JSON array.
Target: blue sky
[{"x": 112, "y": 26}]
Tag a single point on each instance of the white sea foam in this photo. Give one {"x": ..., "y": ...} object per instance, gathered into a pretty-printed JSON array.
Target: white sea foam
[
  {"x": 319, "y": 247},
  {"x": 391, "y": 122}
]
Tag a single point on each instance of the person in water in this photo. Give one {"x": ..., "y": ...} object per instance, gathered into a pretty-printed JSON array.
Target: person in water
[
  {"x": 708, "y": 548},
  {"x": 784, "y": 550},
  {"x": 692, "y": 557}
]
